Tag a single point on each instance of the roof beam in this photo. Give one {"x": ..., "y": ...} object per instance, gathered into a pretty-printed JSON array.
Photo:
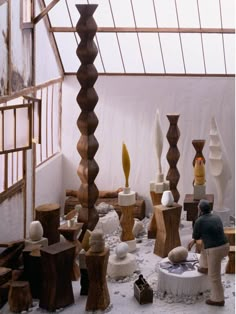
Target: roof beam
[
  {"x": 148, "y": 30},
  {"x": 45, "y": 11}
]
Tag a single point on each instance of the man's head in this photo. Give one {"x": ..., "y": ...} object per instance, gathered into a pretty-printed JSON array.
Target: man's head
[{"x": 204, "y": 206}]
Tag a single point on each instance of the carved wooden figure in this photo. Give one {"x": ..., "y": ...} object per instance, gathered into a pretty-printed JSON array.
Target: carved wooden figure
[
  {"x": 127, "y": 223},
  {"x": 87, "y": 122},
  {"x": 198, "y": 145},
  {"x": 168, "y": 220},
  {"x": 173, "y": 154},
  {"x": 98, "y": 294}
]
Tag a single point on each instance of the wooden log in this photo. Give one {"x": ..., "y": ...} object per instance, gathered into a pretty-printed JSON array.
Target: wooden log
[
  {"x": 57, "y": 263},
  {"x": 19, "y": 297},
  {"x": 98, "y": 294},
  {"x": 168, "y": 221},
  {"x": 230, "y": 234},
  {"x": 49, "y": 216}
]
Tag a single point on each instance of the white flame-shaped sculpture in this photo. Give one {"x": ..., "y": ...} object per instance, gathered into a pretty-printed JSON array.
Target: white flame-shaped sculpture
[{"x": 218, "y": 164}]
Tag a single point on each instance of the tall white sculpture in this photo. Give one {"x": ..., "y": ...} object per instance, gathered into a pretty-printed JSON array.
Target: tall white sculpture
[{"x": 219, "y": 168}]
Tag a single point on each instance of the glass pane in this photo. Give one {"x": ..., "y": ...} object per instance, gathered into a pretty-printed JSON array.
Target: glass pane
[
  {"x": 22, "y": 128},
  {"x": 20, "y": 165},
  {"x": 144, "y": 13},
  {"x": 8, "y": 129},
  {"x": 2, "y": 170},
  {"x": 213, "y": 51},
  {"x": 49, "y": 120},
  {"x": 9, "y": 170},
  {"x": 44, "y": 124},
  {"x": 193, "y": 55},
  {"x": 131, "y": 53},
  {"x": 56, "y": 117},
  {"x": 188, "y": 13},
  {"x": 229, "y": 44},
  {"x": 152, "y": 57},
  {"x": 166, "y": 13},
  {"x": 59, "y": 14},
  {"x": 110, "y": 52},
  {"x": 172, "y": 53},
  {"x": 67, "y": 46},
  {"x": 4, "y": 49},
  {"x": 14, "y": 169},
  {"x": 228, "y": 13},
  {"x": 209, "y": 13},
  {"x": 1, "y": 121},
  {"x": 98, "y": 61},
  {"x": 122, "y": 12}
]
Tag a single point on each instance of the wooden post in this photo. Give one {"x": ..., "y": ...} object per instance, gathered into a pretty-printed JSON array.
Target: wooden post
[
  {"x": 57, "y": 263},
  {"x": 168, "y": 221},
  {"x": 152, "y": 228},
  {"x": 19, "y": 297},
  {"x": 98, "y": 294},
  {"x": 49, "y": 216}
]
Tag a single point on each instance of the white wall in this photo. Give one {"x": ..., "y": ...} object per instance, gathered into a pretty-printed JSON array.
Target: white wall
[{"x": 126, "y": 111}]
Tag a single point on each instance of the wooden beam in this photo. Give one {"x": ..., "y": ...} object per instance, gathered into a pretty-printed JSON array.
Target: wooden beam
[
  {"x": 29, "y": 90},
  {"x": 149, "y": 30},
  {"x": 160, "y": 74},
  {"x": 45, "y": 11}
]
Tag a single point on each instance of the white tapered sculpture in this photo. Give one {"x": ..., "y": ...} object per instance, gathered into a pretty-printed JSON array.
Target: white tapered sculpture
[{"x": 219, "y": 168}]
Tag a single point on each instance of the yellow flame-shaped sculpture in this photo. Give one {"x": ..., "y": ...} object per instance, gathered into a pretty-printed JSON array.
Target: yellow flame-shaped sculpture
[{"x": 126, "y": 164}]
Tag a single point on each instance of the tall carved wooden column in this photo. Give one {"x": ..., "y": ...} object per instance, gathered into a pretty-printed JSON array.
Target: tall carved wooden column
[
  {"x": 173, "y": 155},
  {"x": 87, "y": 122}
]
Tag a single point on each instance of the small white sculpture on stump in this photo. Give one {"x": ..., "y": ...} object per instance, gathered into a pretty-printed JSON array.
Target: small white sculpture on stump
[
  {"x": 219, "y": 168},
  {"x": 36, "y": 234}
]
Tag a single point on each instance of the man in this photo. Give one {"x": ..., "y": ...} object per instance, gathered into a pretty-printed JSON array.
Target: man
[{"x": 209, "y": 228}]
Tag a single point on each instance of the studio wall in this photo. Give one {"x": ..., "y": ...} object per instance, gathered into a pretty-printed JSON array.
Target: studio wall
[{"x": 126, "y": 112}]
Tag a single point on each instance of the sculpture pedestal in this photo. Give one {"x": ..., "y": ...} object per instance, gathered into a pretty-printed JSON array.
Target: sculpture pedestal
[
  {"x": 118, "y": 268},
  {"x": 168, "y": 221},
  {"x": 191, "y": 206},
  {"x": 224, "y": 216},
  {"x": 127, "y": 223},
  {"x": 199, "y": 191},
  {"x": 230, "y": 267},
  {"x": 98, "y": 294},
  {"x": 84, "y": 280},
  {"x": 19, "y": 297},
  {"x": 57, "y": 264},
  {"x": 42, "y": 242},
  {"x": 71, "y": 234},
  {"x": 152, "y": 228}
]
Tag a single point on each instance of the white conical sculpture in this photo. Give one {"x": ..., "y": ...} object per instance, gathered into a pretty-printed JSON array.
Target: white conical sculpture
[{"x": 218, "y": 164}]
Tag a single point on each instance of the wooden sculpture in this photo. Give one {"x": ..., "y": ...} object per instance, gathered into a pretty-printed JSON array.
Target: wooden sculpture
[
  {"x": 198, "y": 145},
  {"x": 19, "y": 297},
  {"x": 87, "y": 122},
  {"x": 173, "y": 154}
]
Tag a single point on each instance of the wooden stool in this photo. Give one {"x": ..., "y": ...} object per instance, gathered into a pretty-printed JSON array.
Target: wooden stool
[
  {"x": 57, "y": 263},
  {"x": 230, "y": 267},
  {"x": 49, "y": 216},
  {"x": 19, "y": 297},
  {"x": 168, "y": 221},
  {"x": 98, "y": 294}
]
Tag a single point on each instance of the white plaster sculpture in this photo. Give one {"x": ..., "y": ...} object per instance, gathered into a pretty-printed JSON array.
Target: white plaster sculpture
[
  {"x": 159, "y": 185},
  {"x": 121, "y": 264},
  {"x": 167, "y": 199},
  {"x": 138, "y": 227},
  {"x": 36, "y": 234},
  {"x": 219, "y": 168}
]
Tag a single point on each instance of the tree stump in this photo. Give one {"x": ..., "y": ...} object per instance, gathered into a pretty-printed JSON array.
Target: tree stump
[
  {"x": 168, "y": 220},
  {"x": 127, "y": 223},
  {"x": 57, "y": 264},
  {"x": 49, "y": 216},
  {"x": 98, "y": 294},
  {"x": 19, "y": 297}
]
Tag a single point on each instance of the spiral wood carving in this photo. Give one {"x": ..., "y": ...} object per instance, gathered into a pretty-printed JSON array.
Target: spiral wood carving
[
  {"x": 173, "y": 154},
  {"x": 87, "y": 122}
]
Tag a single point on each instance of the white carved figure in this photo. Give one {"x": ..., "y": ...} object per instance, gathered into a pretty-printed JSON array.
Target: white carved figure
[
  {"x": 158, "y": 145},
  {"x": 178, "y": 254},
  {"x": 35, "y": 230},
  {"x": 121, "y": 250},
  {"x": 218, "y": 164},
  {"x": 96, "y": 241}
]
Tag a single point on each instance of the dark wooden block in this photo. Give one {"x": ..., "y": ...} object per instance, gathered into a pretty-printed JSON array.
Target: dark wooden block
[
  {"x": 142, "y": 291},
  {"x": 19, "y": 297},
  {"x": 5, "y": 275},
  {"x": 191, "y": 205},
  {"x": 57, "y": 264},
  {"x": 4, "y": 290}
]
